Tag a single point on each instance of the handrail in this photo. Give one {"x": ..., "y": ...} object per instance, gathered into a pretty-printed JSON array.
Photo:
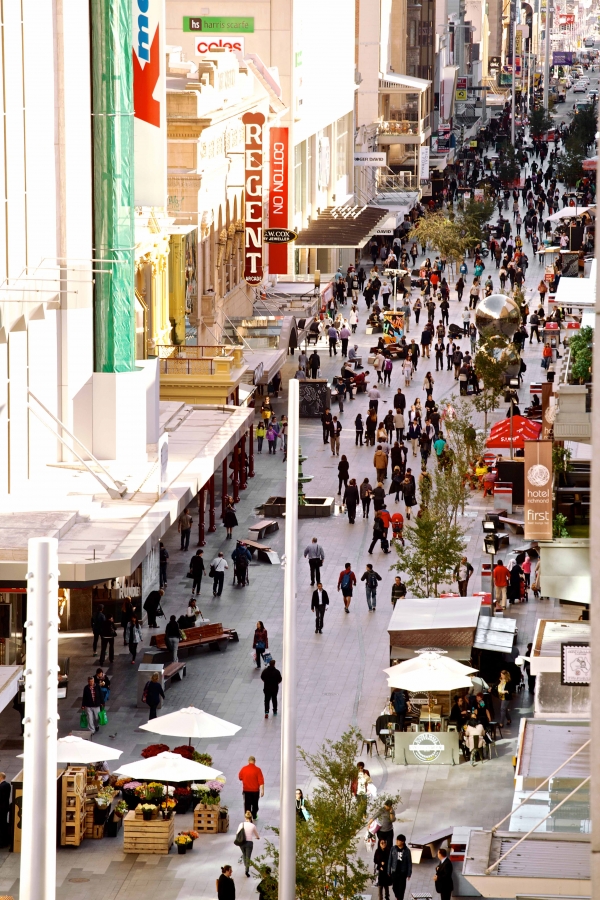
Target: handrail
[
  {"x": 495, "y": 865},
  {"x": 529, "y": 796},
  {"x": 122, "y": 488}
]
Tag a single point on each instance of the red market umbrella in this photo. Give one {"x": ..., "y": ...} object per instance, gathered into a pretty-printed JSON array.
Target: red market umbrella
[
  {"x": 519, "y": 423},
  {"x": 500, "y": 440}
]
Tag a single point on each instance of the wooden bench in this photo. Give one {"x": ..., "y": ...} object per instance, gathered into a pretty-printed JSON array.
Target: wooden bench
[
  {"x": 263, "y": 552},
  {"x": 265, "y": 526},
  {"x": 516, "y": 525},
  {"x": 215, "y": 636},
  {"x": 175, "y": 671}
]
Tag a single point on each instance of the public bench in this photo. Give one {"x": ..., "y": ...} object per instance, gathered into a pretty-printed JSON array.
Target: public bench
[
  {"x": 517, "y": 526},
  {"x": 215, "y": 636},
  {"x": 265, "y": 526},
  {"x": 175, "y": 671},
  {"x": 263, "y": 552}
]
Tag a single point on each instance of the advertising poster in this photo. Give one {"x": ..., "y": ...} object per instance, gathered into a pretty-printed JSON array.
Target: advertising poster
[
  {"x": 538, "y": 490},
  {"x": 149, "y": 103},
  {"x": 278, "y": 197}
]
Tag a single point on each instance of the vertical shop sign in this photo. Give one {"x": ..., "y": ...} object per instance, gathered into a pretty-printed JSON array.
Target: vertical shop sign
[
  {"x": 278, "y": 197},
  {"x": 149, "y": 103},
  {"x": 424, "y": 165},
  {"x": 548, "y": 411},
  {"x": 538, "y": 490},
  {"x": 253, "y": 203}
]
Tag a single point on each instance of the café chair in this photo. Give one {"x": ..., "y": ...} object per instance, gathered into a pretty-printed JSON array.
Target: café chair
[{"x": 370, "y": 743}]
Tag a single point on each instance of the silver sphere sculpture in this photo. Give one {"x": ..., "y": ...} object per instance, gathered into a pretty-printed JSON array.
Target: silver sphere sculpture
[{"x": 497, "y": 316}]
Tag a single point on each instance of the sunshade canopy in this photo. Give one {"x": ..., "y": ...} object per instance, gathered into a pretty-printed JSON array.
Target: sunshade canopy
[
  {"x": 569, "y": 211},
  {"x": 171, "y": 767},
  {"x": 522, "y": 430},
  {"x": 429, "y": 671},
  {"x": 191, "y": 723},
  {"x": 73, "y": 749}
]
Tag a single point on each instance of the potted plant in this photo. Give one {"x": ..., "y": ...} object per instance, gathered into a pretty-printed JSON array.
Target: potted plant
[
  {"x": 167, "y": 808},
  {"x": 183, "y": 843},
  {"x": 148, "y": 810},
  {"x": 154, "y": 750},
  {"x": 120, "y": 809},
  {"x": 183, "y": 799},
  {"x": 155, "y": 791},
  {"x": 185, "y": 750},
  {"x": 130, "y": 795},
  {"x": 213, "y": 797},
  {"x": 193, "y": 836}
]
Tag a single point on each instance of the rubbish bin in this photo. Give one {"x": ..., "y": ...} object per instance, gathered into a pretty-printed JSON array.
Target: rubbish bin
[
  {"x": 144, "y": 674},
  {"x": 486, "y": 578}
]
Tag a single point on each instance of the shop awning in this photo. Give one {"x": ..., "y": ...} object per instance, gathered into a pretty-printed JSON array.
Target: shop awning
[
  {"x": 342, "y": 226},
  {"x": 393, "y": 82},
  {"x": 9, "y": 683}
]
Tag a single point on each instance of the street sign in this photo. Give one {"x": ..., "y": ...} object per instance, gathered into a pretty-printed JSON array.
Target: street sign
[
  {"x": 461, "y": 89},
  {"x": 279, "y": 235}
]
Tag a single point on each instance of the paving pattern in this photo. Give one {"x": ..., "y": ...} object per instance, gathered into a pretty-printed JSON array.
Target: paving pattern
[{"x": 340, "y": 679}]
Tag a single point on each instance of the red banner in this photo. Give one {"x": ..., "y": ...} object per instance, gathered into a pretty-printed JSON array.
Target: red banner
[
  {"x": 278, "y": 197},
  {"x": 253, "y": 205}
]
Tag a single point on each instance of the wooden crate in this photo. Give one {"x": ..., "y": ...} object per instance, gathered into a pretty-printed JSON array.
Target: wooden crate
[
  {"x": 89, "y": 818},
  {"x": 206, "y": 819},
  {"x": 154, "y": 837},
  {"x": 223, "y": 824},
  {"x": 97, "y": 832},
  {"x": 73, "y": 806}
]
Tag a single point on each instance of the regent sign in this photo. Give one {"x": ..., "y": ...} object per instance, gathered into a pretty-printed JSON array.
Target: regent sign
[{"x": 253, "y": 208}]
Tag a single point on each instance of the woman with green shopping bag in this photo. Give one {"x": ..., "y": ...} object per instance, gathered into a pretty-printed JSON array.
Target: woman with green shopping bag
[{"x": 92, "y": 707}]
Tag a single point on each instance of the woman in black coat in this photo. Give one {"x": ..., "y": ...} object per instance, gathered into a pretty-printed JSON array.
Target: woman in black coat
[
  {"x": 225, "y": 884},
  {"x": 229, "y": 519},
  {"x": 343, "y": 471},
  {"x": 351, "y": 498},
  {"x": 153, "y": 693},
  {"x": 514, "y": 585},
  {"x": 380, "y": 859}
]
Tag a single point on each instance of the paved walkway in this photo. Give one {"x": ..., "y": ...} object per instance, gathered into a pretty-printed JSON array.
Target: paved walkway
[{"x": 340, "y": 676}]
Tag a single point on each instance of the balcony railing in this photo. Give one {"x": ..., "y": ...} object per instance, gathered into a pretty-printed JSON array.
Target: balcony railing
[
  {"x": 187, "y": 367},
  {"x": 396, "y": 181},
  {"x": 203, "y": 360},
  {"x": 406, "y": 125}
]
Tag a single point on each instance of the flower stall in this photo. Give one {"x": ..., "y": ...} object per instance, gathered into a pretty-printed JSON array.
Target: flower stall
[{"x": 209, "y": 816}]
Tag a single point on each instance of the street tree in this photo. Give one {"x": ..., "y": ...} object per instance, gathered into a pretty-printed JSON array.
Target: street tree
[
  {"x": 539, "y": 121},
  {"x": 491, "y": 372},
  {"x": 509, "y": 165},
  {"x": 585, "y": 126},
  {"x": 443, "y": 235},
  {"x": 328, "y": 864},
  {"x": 569, "y": 164},
  {"x": 475, "y": 214},
  {"x": 466, "y": 445},
  {"x": 433, "y": 544}
]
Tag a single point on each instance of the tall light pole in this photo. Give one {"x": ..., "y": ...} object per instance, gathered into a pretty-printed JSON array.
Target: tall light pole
[
  {"x": 513, "y": 13},
  {"x": 287, "y": 805},
  {"x": 38, "y": 842},
  {"x": 547, "y": 55}
]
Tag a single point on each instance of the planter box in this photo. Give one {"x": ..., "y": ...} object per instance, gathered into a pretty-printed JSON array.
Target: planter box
[
  {"x": 154, "y": 837},
  {"x": 206, "y": 819}
]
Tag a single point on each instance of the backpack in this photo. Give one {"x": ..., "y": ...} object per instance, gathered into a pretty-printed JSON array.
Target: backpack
[
  {"x": 372, "y": 581},
  {"x": 346, "y": 580},
  {"x": 388, "y": 365}
]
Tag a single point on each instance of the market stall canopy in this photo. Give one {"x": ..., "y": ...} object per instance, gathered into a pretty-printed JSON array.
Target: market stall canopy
[
  {"x": 446, "y": 623},
  {"x": 191, "y": 723},
  {"x": 170, "y": 767},
  {"x": 522, "y": 430},
  {"x": 569, "y": 211},
  {"x": 495, "y": 634},
  {"x": 77, "y": 751},
  {"x": 342, "y": 226},
  {"x": 429, "y": 671}
]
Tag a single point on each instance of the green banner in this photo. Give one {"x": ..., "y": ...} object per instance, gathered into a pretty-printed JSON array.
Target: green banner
[{"x": 219, "y": 24}]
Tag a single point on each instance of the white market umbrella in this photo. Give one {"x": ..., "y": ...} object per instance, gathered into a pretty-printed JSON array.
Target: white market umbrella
[
  {"x": 191, "y": 723},
  {"x": 569, "y": 212},
  {"x": 428, "y": 672},
  {"x": 171, "y": 767},
  {"x": 74, "y": 750}
]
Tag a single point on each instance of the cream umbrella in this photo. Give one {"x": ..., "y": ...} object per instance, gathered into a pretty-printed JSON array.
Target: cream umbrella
[
  {"x": 74, "y": 750},
  {"x": 429, "y": 671},
  {"x": 191, "y": 723},
  {"x": 170, "y": 767}
]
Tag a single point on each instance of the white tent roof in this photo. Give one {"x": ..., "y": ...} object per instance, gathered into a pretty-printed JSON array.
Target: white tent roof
[
  {"x": 569, "y": 211},
  {"x": 429, "y": 671},
  {"x": 191, "y": 723},
  {"x": 76, "y": 750},
  {"x": 169, "y": 767},
  {"x": 418, "y": 614}
]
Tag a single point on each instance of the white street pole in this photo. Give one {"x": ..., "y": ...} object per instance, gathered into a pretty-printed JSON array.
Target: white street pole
[
  {"x": 514, "y": 77},
  {"x": 547, "y": 57},
  {"x": 38, "y": 843},
  {"x": 287, "y": 822}
]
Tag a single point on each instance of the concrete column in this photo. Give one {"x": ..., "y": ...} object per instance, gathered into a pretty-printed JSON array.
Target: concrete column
[
  {"x": 201, "y": 498},
  {"x": 211, "y": 505},
  {"x": 177, "y": 287},
  {"x": 224, "y": 487},
  {"x": 243, "y": 481},
  {"x": 251, "y": 453}
]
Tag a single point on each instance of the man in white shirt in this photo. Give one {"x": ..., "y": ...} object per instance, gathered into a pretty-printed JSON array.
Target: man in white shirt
[
  {"x": 374, "y": 397},
  {"x": 218, "y": 566}
]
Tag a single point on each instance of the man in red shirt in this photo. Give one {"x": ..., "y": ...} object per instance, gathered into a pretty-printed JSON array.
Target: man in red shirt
[
  {"x": 501, "y": 579},
  {"x": 253, "y": 786},
  {"x": 346, "y": 582}
]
